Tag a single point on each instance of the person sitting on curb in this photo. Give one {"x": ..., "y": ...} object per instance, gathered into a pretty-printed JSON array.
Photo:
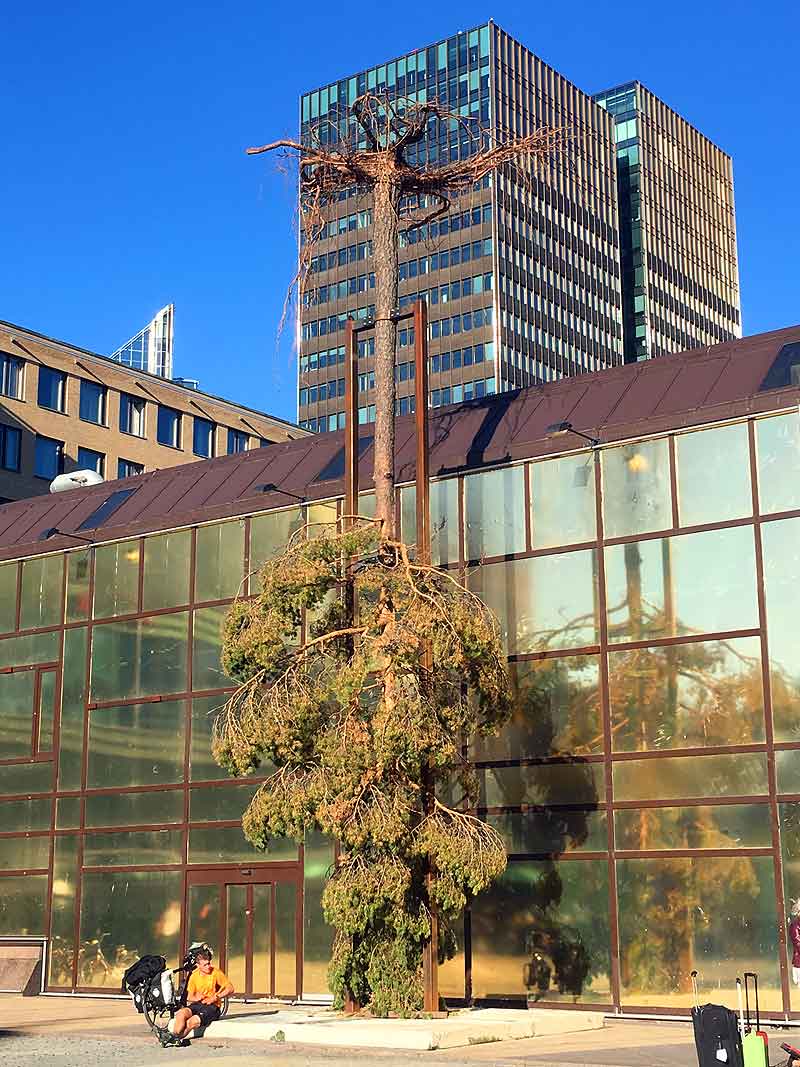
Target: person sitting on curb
[{"x": 207, "y": 987}]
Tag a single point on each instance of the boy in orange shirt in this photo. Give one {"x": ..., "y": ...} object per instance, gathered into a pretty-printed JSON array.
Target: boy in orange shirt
[{"x": 204, "y": 993}]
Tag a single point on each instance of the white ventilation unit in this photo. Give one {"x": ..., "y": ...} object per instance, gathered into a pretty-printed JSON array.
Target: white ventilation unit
[{"x": 75, "y": 480}]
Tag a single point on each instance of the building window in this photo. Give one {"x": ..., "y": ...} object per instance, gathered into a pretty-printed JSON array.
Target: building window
[
  {"x": 11, "y": 376},
  {"x": 237, "y": 441},
  {"x": 203, "y": 438},
  {"x": 263, "y": 442},
  {"x": 52, "y": 389},
  {"x": 131, "y": 414},
  {"x": 89, "y": 460},
  {"x": 126, "y": 468},
  {"x": 93, "y": 402},
  {"x": 9, "y": 448},
  {"x": 49, "y": 460},
  {"x": 169, "y": 427}
]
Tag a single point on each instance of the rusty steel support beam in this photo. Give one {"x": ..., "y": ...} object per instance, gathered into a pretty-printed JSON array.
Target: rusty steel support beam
[{"x": 350, "y": 423}]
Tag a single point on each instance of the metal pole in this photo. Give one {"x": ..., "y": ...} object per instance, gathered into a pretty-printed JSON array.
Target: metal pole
[{"x": 350, "y": 423}]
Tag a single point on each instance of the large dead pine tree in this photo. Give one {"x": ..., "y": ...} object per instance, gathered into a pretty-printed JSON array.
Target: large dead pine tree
[{"x": 404, "y": 195}]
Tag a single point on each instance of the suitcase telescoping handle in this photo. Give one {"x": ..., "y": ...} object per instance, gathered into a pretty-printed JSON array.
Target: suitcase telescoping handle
[
  {"x": 741, "y": 1005},
  {"x": 748, "y": 975},
  {"x": 694, "y": 989}
]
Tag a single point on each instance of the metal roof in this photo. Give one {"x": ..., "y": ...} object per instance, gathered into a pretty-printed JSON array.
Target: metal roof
[{"x": 687, "y": 389}]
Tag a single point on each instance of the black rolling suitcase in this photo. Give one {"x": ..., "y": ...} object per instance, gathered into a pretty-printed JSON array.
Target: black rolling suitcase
[{"x": 717, "y": 1036}]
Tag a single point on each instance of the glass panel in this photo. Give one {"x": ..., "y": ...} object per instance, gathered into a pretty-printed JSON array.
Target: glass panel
[
  {"x": 24, "y": 853},
  {"x": 321, "y": 517},
  {"x": 551, "y": 831},
  {"x": 236, "y": 936},
  {"x": 722, "y": 826},
  {"x": 556, "y": 711},
  {"x": 695, "y": 695},
  {"x": 789, "y": 817},
  {"x": 444, "y": 521},
  {"x": 270, "y": 533},
  {"x": 562, "y": 501},
  {"x": 709, "y": 914},
  {"x": 24, "y": 815},
  {"x": 137, "y": 744},
  {"x": 744, "y": 774},
  {"x": 636, "y": 488},
  {"x": 451, "y": 972},
  {"x": 68, "y": 813},
  {"x": 204, "y": 914},
  {"x": 202, "y": 766},
  {"x": 62, "y": 910},
  {"x": 695, "y": 583},
  {"x": 73, "y": 685},
  {"x": 16, "y": 714},
  {"x": 207, "y": 671},
  {"x": 285, "y": 954},
  {"x": 578, "y": 783},
  {"x": 787, "y": 768},
  {"x": 42, "y": 581},
  {"x": 123, "y": 915},
  {"x": 32, "y": 648},
  {"x": 136, "y": 847},
  {"x": 544, "y": 603},
  {"x": 318, "y": 936},
  {"x": 18, "y": 778},
  {"x": 713, "y": 475},
  {"x": 142, "y": 657},
  {"x": 220, "y": 803},
  {"x": 494, "y": 503},
  {"x": 227, "y": 844},
  {"x": 47, "y": 710},
  {"x": 262, "y": 939},
  {"x": 781, "y": 548},
  {"x": 135, "y": 809},
  {"x": 778, "y": 450},
  {"x": 22, "y": 905},
  {"x": 8, "y": 597},
  {"x": 116, "y": 579},
  {"x": 167, "y": 559},
  {"x": 220, "y": 561},
  {"x": 78, "y": 586},
  {"x": 542, "y": 931},
  {"x": 408, "y": 514}
]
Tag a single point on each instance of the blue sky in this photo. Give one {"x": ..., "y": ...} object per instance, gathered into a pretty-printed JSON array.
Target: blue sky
[{"x": 124, "y": 183}]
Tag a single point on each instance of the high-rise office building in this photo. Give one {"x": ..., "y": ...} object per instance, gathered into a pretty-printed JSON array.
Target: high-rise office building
[
  {"x": 521, "y": 276},
  {"x": 151, "y": 348},
  {"x": 680, "y": 276}
]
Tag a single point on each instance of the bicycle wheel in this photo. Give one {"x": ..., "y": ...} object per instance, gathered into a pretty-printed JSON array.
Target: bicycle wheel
[
  {"x": 157, "y": 1015},
  {"x": 223, "y": 1008}
]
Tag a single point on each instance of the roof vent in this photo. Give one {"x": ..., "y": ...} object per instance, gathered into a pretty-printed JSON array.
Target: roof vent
[{"x": 75, "y": 480}]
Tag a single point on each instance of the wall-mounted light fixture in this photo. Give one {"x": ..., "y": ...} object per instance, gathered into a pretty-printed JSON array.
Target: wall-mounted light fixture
[{"x": 556, "y": 429}]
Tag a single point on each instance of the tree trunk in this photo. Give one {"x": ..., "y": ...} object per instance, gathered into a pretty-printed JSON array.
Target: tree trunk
[{"x": 385, "y": 263}]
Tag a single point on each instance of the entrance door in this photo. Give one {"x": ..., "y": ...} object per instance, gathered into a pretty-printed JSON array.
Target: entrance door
[{"x": 251, "y": 922}]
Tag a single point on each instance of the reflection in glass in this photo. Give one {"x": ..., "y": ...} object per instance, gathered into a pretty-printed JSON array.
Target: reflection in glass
[
  {"x": 408, "y": 514},
  {"x": 494, "y": 505},
  {"x": 236, "y": 936},
  {"x": 551, "y": 831},
  {"x": 690, "y": 584},
  {"x": 572, "y": 782},
  {"x": 62, "y": 910},
  {"x": 713, "y": 475},
  {"x": 78, "y": 602},
  {"x": 707, "y": 914},
  {"x": 778, "y": 449},
  {"x": 24, "y": 853},
  {"x": 452, "y": 972},
  {"x": 285, "y": 953},
  {"x": 220, "y": 561},
  {"x": 202, "y": 765},
  {"x": 8, "y": 597},
  {"x": 207, "y": 670},
  {"x": 556, "y": 711},
  {"x": 73, "y": 685},
  {"x": 134, "y": 847},
  {"x": 269, "y": 535},
  {"x": 142, "y": 657},
  {"x": 26, "y": 778},
  {"x": 781, "y": 548},
  {"x": 29, "y": 648},
  {"x": 721, "y": 826},
  {"x": 47, "y": 710},
  {"x": 690, "y": 777},
  {"x": 24, "y": 815},
  {"x": 116, "y": 579},
  {"x": 135, "y": 809},
  {"x": 123, "y": 915},
  {"x": 693, "y": 695},
  {"x": 227, "y": 844},
  {"x": 262, "y": 939},
  {"x": 167, "y": 558},
  {"x": 220, "y": 803},
  {"x": 787, "y": 769},
  {"x": 541, "y": 931},
  {"x": 68, "y": 813},
  {"x": 636, "y": 488},
  {"x": 562, "y": 501},
  {"x": 321, "y": 518},
  {"x": 543, "y": 603},
  {"x": 22, "y": 905},
  {"x": 16, "y": 714},
  {"x": 136, "y": 744},
  {"x": 203, "y": 920},
  {"x": 789, "y": 818},
  {"x": 444, "y": 521},
  {"x": 42, "y": 581},
  {"x": 318, "y": 936}
]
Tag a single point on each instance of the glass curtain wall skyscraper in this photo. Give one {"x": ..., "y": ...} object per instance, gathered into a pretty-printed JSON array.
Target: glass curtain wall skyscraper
[
  {"x": 680, "y": 275},
  {"x": 521, "y": 275}
]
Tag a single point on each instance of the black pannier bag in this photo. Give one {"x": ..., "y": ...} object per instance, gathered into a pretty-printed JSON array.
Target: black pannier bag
[{"x": 139, "y": 977}]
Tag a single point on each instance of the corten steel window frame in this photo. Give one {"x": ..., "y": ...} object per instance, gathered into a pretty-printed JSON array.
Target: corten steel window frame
[{"x": 769, "y": 747}]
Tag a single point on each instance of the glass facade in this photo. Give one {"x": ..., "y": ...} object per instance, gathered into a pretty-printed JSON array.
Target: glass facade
[{"x": 647, "y": 786}]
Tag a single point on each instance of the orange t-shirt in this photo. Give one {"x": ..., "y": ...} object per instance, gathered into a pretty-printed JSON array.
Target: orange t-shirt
[{"x": 205, "y": 985}]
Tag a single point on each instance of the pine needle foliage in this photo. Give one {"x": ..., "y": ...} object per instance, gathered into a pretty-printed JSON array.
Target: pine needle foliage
[{"x": 364, "y": 721}]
